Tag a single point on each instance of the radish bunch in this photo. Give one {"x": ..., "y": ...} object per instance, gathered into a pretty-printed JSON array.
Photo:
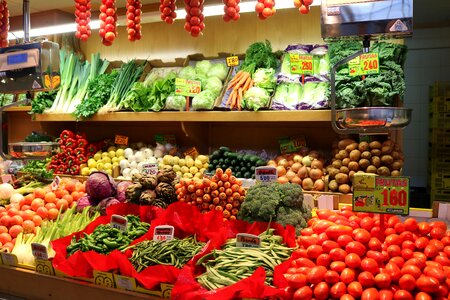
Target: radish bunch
[
  {"x": 4, "y": 24},
  {"x": 108, "y": 19},
  {"x": 167, "y": 9},
  {"x": 265, "y": 8},
  {"x": 194, "y": 17},
  {"x": 83, "y": 18},
  {"x": 231, "y": 10},
  {"x": 303, "y": 5},
  {"x": 134, "y": 19}
]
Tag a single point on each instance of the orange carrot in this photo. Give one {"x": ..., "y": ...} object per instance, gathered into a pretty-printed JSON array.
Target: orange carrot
[
  {"x": 240, "y": 95},
  {"x": 236, "y": 76},
  {"x": 233, "y": 97},
  {"x": 230, "y": 98},
  {"x": 247, "y": 84},
  {"x": 242, "y": 81},
  {"x": 251, "y": 84}
]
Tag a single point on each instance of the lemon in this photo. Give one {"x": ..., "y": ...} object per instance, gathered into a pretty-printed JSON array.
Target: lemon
[
  {"x": 115, "y": 160},
  {"x": 98, "y": 156},
  {"x": 112, "y": 154},
  {"x": 92, "y": 163},
  {"x": 120, "y": 152},
  {"x": 107, "y": 166},
  {"x": 85, "y": 171},
  {"x": 106, "y": 159}
]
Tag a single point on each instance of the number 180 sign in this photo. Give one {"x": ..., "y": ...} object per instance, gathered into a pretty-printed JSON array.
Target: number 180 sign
[{"x": 377, "y": 194}]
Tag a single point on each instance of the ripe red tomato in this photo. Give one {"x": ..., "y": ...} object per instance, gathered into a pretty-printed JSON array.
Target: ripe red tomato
[
  {"x": 356, "y": 247},
  {"x": 316, "y": 274},
  {"x": 383, "y": 281},
  {"x": 407, "y": 282},
  {"x": 355, "y": 289},
  {"x": 399, "y": 227},
  {"x": 296, "y": 280},
  {"x": 348, "y": 275},
  {"x": 427, "y": 284},
  {"x": 392, "y": 221},
  {"x": 338, "y": 254},
  {"x": 304, "y": 262},
  {"x": 331, "y": 277},
  {"x": 392, "y": 239},
  {"x": 410, "y": 224},
  {"x": 370, "y": 294},
  {"x": 321, "y": 238},
  {"x": 321, "y": 291},
  {"x": 393, "y": 270},
  {"x": 403, "y": 295},
  {"x": 377, "y": 256},
  {"x": 366, "y": 223},
  {"x": 444, "y": 261},
  {"x": 329, "y": 245},
  {"x": 420, "y": 263},
  {"x": 407, "y": 254},
  {"x": 407, "y": 236},
  {"x": 445, "y": 240},
  {"x": 439, "y": 224},
  {"x": 361, "y": 235},
  {"x": 411, "y": 270},
  {"x": 375, "y": 244},
  {"x": 398, "y": 260},
  {"x": 430, "y": 251},
  {"x": 369, "y": 265},
  {"x": 337, "y": 266},
  {"x": 442, "y": 291},
  {"x": 314, "y": 251},
  {"x": 336, "y": 231},
  {"x": 303, "y": 293},
  {"x": 435, "y": 272},
  {"x": 437, "y": 233},
  {"x": 376, "y": 232},
  {"x": 307, "y": 241},
  {"x": 386, "y": 295},
  {"x": 424, "y": 228},
  {"x": 353, "y": 260},
  {"x": 343, "y": 240},
  {"x": 366, "y": 279},
  {"x": 408, "y": 245},
  {"x": 421, "y": 242},
  {"x": 394, "y": 250},
  {"x": 323, "y": 260},
  {"x": 422, "y": 296},
  {"x": 437, "y": 243},
  {"x": 338, "y": 290},
  {"x": 347, "y": 297},
  {"x": 321, "y": 226}
]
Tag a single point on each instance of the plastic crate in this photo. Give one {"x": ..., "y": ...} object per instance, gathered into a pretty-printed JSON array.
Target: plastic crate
[
  {"x": 439, "y": 105},
  {"x": 440, "y": 120},
  {"x": 440, "y": 89},
  {"x": 440, "y": 195},
  {"x": 438, "y": 150},
  {"x": 439, "y": 181},
  {"x": 439, "y": 136}
]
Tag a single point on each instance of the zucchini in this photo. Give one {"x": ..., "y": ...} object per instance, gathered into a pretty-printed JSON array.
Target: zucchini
[
  {"x": 254, "y": 159},
  {"x": 224, "y": 149}
]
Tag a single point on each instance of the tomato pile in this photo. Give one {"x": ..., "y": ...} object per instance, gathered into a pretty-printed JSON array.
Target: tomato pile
[
  {"x": 4, "y": 24},
  {"x": 231, "y": 10},
  {"x": 31, "y": 210},
  {"x": 265, "y": 8},
  {"x": 194, "y": 17},
  {"x": 346, "y": 255},
  {"x": 303, "y": 5},
  {"x": 167, "y": 9},
  {"x": 134, "y": 19},
  {"x": 108, "y": 19},
  {"x": 83, "y": 18}
]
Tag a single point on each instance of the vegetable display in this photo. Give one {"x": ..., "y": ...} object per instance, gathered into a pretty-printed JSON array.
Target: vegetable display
[
  {"x": 43, "y": 101},
  {"x": 194, "y": 17},
  {"x": 187, "y": 166},
  {"x": 167, "y": 9},
  {"x": 231, "y": 9},
  {"x": 4, "y": 24},
  {"x": 38, "y": 168},
  {"x": 134, "y": 20},
  {"x": 265, "y": 8},
  {"x": 174, "y": 252},
  {"x": 83, "y": 19},
  {"x": 108, "y": 22},
  {"x": 105, "y": 238},
  {"x": 232, "y": 264}
]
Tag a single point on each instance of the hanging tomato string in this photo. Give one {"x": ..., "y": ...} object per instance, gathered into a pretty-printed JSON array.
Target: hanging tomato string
[
  {"x": 231, "y": 10},
  {"x": 265, "y": 8},
  {"x": 167, "y": 9},
  {"x": 194, "y": 17},
  {"x": 83, "y": 18},
  {"x": 4, "y": 24},
  {"x": 303, "y": 5},
  {"x": 134, "y": 13},
  {"x": 108, "y": 22}
]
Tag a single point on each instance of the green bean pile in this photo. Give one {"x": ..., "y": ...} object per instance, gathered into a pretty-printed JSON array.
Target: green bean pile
[
  {"x": 105, "y": 238},
  {"x": 175, "y": 252},
  {"x": 232, "y": 264}
]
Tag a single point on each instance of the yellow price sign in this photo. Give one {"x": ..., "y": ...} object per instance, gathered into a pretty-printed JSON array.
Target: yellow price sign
[
  {"x": 121, "y": 140},
  {"x": 44, "y": 267},
  {"x": 186, "y": 87},
  {"x": 232, "y": 61},
  {"x": 104, "y": 279},
  {"x": 301, "y": 64},
  {"x": 370, "y": 63}
]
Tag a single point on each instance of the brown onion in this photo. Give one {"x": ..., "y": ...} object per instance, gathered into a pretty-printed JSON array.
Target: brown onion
[
  {"x": 316, "y": 164},
  {"x": 290, "y": 175},
  {"x": 296, "y": 166},
  {"x": 283, "y": 179},
  {"x": 296, "y": 180},
  {"x": 319, "y": 185},
  {"x": 303, "y": 172},
  {"x": 307, "y": 184},
  {"x": 281, "y": 171},
  {"x": 315, "y": 174}
]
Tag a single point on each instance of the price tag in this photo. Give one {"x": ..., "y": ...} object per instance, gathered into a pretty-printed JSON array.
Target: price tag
[
  {"x": 369, "y": 63},
  {"x": 246, "y": 240},
  {"x": 377, "y": 194},
  {"x": 163, "y": 233},
  {"x": 104, "y": 279},
  {"x": 291, "y": 144},
  {"x": 39, "y": 251},
  {"x": 166, "y": 290},
  {"x": 6, "y": 178},
  {"x": 119, "y": 222},
  {"x": 121, "y": 140},
  {"x": 232, "y": 61},
  {"x": 191, "y": 152},
  {"x": 150, "y": 168},
  {"x": 9, "y": 259},
  {"x": 301, "y": 63},
  {"x": 354, "y": 67},
  {"x": 186, "y": 87},
  {"x": 55, "y": 183},
  {"x": 44, "y": 267},
  {"x": 125, "y": 282},
  {"x": 266, "y": 174}
]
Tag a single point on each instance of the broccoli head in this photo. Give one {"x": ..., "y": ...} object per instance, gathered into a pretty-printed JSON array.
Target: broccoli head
[
  {"x": 291, "y": 195},
  {"x": 261, "y": 203}
]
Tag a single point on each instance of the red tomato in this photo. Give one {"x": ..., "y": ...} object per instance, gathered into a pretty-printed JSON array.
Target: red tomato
[
  {"x": 392, "y": 239},
  {"x": 337, "y": 266},
  {"x": 321, "y": 226},
  {"x": 316, "y": 274},
  {"x": 442, "y": 291},
  {"x": 303, "y": 270},
  {"x": 407, "y": 282},
  {"x": 398, "y": 260},
  {"x": 421, "y": 242},
  {"x": 314, "y": 251},
  {"x": 420, "y": 256},
  {"x": 361, "y": 235},
  {"x": 303, "y": 293},
  {"x": 392, "y": 221},
  {"x": 389, "y": 231},
  {"x": 393, "y": 270},
  {"x": 407, "y": 236},
  {"x": 353, "y": 260},
  {"x": 433, "y": 264},
  {"x": 376, "y": 232},
  {"x": 355, "y": 289},
  {"x": 420, "y": 263},
  {"x": 331, "y": 277},
  {"x": 411, "y": 270},
  {"x": 291, "y": 270},
  {"x": 377, "y": 256},
  {"x": 399, "y": 227},
  {"x": 408, "y": 245},
  {"x": 304, "y": 262},
  {"x": 323, "y": 260},
  {"x": 321, "y": 291},
  {"x": 348, "y": 213},
  {"x": 356, "y": 247},
  {"x": 383, "y": 281},
  {"x": 444, "y": 261},
  {"x": 336, "y": 231},
  {"x": 370, "y": 294},
  {"x": 423, "y": 296},
  {"x": 324, "y": 214},
  {"x": 369, "y": 265},
  {"x": 366, "y": 279},
  {"x": 322, "y": 238},
  {"x": 430, "y": 251},
  {"x": 439, "y": 224},
  {"x": 301, "y": 252},
  {"x": 407, "y": 254},
  {"x": 307, "y": 241},
  {"x": 437, "y": 233},
  {"x": 386, "y": 295},
  {"x": 366, "y": 223},
  {"x": 375, "y": 244},
  {"x": 427, "y": 284},
  {"x": 445, "y": 240},
  {"x": 347, "y": 276},
  {"x": 410, "y": 224},
  {"x": 403, "y": 295},
  {"x": 424, "y": 228},
  {"x": 394, "y": 250},
  {"x": 295, "y": 280},
  {"x": 338, "y": 290},
  {"x": 343, "y": 240},
  {"x": 329, "y": 245},
  {"x": 338, "y": 254},
  {"x": 347, "y": 297},
  {"x": 435, "y": 272}
]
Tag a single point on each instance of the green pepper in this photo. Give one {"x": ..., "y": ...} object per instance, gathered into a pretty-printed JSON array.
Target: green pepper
[{"x": 111, "y": 244}]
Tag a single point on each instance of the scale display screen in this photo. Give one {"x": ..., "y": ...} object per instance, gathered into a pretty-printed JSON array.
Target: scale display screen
[{"x": 15, "y": 59}]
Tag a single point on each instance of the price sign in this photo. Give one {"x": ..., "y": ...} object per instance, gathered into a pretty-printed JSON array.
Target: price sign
[
  {"x": 246, "y": 240},
  {"x": 6, "y": 178},
  {"x": 119, "y": 222},
  {"x": 186, "y": 87},
  {"x": 163, "y": 233},
  {"x": 9, "y": 259},
  {"x": 55, "y": 183},
  {"x": 39, "y": 251},
  {"x": 301, "y": 63},
  {"x": 150, "y": 168},
  {"x": 232, "y": 61},
  {"x": 369, "y": 63},
  {"x": 125, "y": 282},
  {"x": 121, "y": 140},
  {"x": 44, "y": 267},
  {"x": 354, "y": 67},
  {"x": 191, "y": 152},
  {"x": 291, "y": 144},
  {"x": 384, "y": 195},
  {"x": 104, "y": 279},
  {"x": 266, "y": 174}
]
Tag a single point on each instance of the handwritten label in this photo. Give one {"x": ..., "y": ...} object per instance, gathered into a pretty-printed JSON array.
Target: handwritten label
[
  {"x": 365, "y": 64},
  {"x": 301, "y": 63},
  {"x": 246, "y": 240},
  {"x": 125, "y": 282},
  {"x": 232, "y": 61},
  {"x": 39, "y": 251},
  {"x": 6, "y": 178},
  {"x": 186, "y": 87},
  {"x": 163, "y": 233},
  {"x": 9, "y": 259},
  {"x": 55, "y": 183},
  {"x": 104, "y": 279},
  {"x": 266, "y": 174},
  {"x": 354, "y": 67},
  {"x": 384, "y": 195},
  {"x": 44, "y": 267},
  {"x": 119, "y": 222},
  {"x": 150, "y": 168},
  {"x": 191, "y": 152},
  {"x": 121, "y": 140}
]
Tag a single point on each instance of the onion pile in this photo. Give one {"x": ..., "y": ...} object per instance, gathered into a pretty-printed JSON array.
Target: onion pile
[
  {"x": 194, "y": 17},
  {"x": 231, "y": 10},
  {"x": 83, "y": 18},
  {"x": 4, "y": 24},
  {"x": 108, "y": 19},
  {"x": 265, "y": 8},
  {"x": 134, "y": 19},
  {"x": 303, "y": 5},
  {"x": 167, "y": 10}
]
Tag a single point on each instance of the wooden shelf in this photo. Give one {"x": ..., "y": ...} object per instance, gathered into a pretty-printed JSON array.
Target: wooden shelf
[
  {"x": 18, "y": 108},
  {"x": 199, "y": 116}
]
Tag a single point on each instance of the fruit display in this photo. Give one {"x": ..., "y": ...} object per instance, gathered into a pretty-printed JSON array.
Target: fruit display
[
  {"x": 384, "y": 158},
  {"x": 4, "y": 26},
  {"x": 83, "y": 19},
  {"x": 222, "y": 192},
  {"x": 167, "y": 9},
  {"x": 231, "y": 9},
  {"x": 187, "y": 167},
  {"x": 242, "y": 165},
  {"x": 134, "y": 13},
  {"x": 194, "y": 17}
]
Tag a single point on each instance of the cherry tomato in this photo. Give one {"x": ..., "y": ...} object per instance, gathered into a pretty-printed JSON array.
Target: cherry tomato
[
  {"x": 408, "y": 245},
  {"x": 445, "y": 240},
  {"x": 427, "y": 284},
  {"x": 410, "y": 224},
  {"x": 442, "y": 290},
  {"x": 304, "y": 262},
  {"x": 407, "y": 236},
  {"x": 323, "y": 260},
  {"x": 424, "y": 228},
  {"x": 296, "y": 280},
  {"x": 377, "y": 256},
  {"x": 370, "y": 294},
  {"x": 353, "y": 260},
  {"x": 336, "y": 231},
  {"x": 331, "y": 277},
  {"x": 321, "y": 238},
  {"x": 420, "y": 263},
  {"x": 437, "y": 273},
  {"x": 411, "y": 270},
  {"x": 347, "y": 297},
  {"x": 398, "y": 260},
  {"x": 316, "y": 274},
  {"x": 303, "y": 293},
  {"x": 433, "y": 264},
  {"x": 403, "y": 295},
  {"x": 355, "y": 289},
  {"x": 366, "y": 223},
  {"x": 407, "y": 282},
  {"x": 374, "y": 244},
  {"x": 392, "y": 239},
  {"x": 383, "y": 280},
  {"x": 321, "y": 226},
  {"x": 437, "y": 233},
  {"x": 421, "y": 242},
  {"x": 321, "y": 291},
  {"x": 422, "y": 296},
  {"x": 399, "y": 227},
  {"x": 430, "y": 251},
  {"x": 407, "y": 254},
  {"x": 366, "y": 279},
  {"x": 393, "y": 270},
  {"x": 348, "y": 275},
  {"x": 394, "y": 250},
  {"x": 356, "y": 247},
  {"x": 338, "y": 290},
  {"x": 444, "y": 261},
  {"x": 369, "y": 265},
  {"x": 439, "y": 224},
  {"x": 361, "y": 235},
  {"x": 437, "y": 243},
  {"x": 338, "y": 254}
]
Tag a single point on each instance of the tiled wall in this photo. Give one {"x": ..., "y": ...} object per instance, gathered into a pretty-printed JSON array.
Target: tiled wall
[{"x": 428, "y": 60}]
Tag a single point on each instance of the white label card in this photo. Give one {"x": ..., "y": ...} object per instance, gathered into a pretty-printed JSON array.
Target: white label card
[
  {"x": 266, "y": 174},
  {"x": 163, "y": 233},
  {"x": 119, "y": 222},
  {"x": 150, "y": 168},
  {"x": 39, "y": 251},
  {"x": 246, "y": 240}
]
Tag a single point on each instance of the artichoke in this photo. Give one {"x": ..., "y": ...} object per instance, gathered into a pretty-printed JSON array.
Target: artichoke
[
  {"x": 147, "y": 197},
  {"x": 166, "y": 174},
  {"x": 148, "y": 182},
  {"x": 134, "y": 192},
  {"x": 160, "y": 203},
  {"x": 136, "y": 177},
  {"x": 166, "y": 192}
]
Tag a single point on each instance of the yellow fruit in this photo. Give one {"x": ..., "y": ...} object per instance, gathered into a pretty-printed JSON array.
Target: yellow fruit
[
  {"x": 107, "y": 166},
  {"x": 98, "y": 156},
  {"x": 105, "y": 154},
  {"x": 112, "y": 154},
  {"x": 92, "y": 170},
  {"x": 198, "y": 163},
  {"x": 115, "y": 160},
  {"x": 193, "y": 170},
  {"x": 119, "y": 152},
  {"x": 100, "y": 166},
  {"x": 112, "y": 148},
  {"x": 106, "y": 160},
  {"x": 92, "y": 163},
  {"x": 85, "y": 171}
]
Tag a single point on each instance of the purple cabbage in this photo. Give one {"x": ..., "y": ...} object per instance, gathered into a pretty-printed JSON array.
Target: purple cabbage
[
  {"x": 99, "y": 186},
  {"x": 121, "y": 190},
  {"x": 101, "y": 207},
  {"x": 83, "y": 202}
]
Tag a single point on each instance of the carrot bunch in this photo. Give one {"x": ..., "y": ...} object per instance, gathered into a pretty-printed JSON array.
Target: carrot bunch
[
  {"x": 222, "y": 192},
  {"x": 240, "y": 83}
]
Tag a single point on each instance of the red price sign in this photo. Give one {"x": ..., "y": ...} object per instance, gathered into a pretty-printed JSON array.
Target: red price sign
[
  {"x": 121, "y": 140},
  {"x": 163, "y": 233},
  {"x": 119, "y": 222},
  {"x": 369, "y": 63},
  {"x": 232, "y": 61}
]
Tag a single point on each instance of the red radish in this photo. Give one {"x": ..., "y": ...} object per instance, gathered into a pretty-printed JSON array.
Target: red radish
[
  {"x": 108, "y": 19},
  {"x": 134, "y": 25},
  {"x": 83, "y": 18},
  {"x": 194, "y": 17},
  {"x": 265, "y": 8},
  {"x": 167, "y": 9},
  {"x": 4, "y": 24},
  {"x": 231, "y": 10}
]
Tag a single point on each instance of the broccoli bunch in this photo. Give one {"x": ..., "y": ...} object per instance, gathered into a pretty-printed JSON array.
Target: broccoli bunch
[{"x": 281, "y": 203}]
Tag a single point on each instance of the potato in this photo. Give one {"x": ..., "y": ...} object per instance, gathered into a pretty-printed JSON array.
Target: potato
[
  {"x": 395, "y": 155},
  {"x": 363, "y": 146},
  {"x": 397, "y": 147},
  {"x": 376, "y": 161},
  {"x": 333, "y": 185},
  {"x": 371, "y": 169},
  {"x": 387, "y": 160},
  {"x": 345, "y": 161},
  {"x": 386, "y": 150},
  {"x": 344, "y": 143},
  {"x": 333, "y": 172},
  {"x": 396, "y": 173},
  {"x": 342, "y": 154},
  {"x": 353, "y": 166},
  {"x": 334, "y": 152},
  {"x": 337, "y": 164},
  {"x": 375, "y": 152},
  {"x": 375, "y": 145},
  {"x": 364, "y": 163},
  {"x": 388, "y": 142},
  {"x": 351, "y": 174},
  {"x": 396, "y": 165},
  {"x": 351, "y": 147},
  {"x": 366, "y": 155},
  {"x": 344, "y": 169},
  {"x": 355, "y": 155},
  {"x": 383, "y": 171},
  {"x": 342, "y": 178},
  {"x": 344, "y": 188}
]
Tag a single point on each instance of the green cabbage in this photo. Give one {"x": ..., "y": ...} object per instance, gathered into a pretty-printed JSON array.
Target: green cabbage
[
  {"x": 256, "y": 98},
  {"x": 203, "y": 67},
  {"x": 213, "y": 84},
  {"x": 265, "y": 78},
  {"x": 218, "y": 70},
  {"x": 176, "y": 102},
  {"x": 204, "y": 100},
  {"x": 187, "y": 73}
]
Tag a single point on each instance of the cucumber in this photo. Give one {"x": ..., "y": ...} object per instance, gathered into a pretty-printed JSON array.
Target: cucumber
[
  {"x": 247, "y": 175},
  {"x": 252, "y": 169},
  {"x": 260, "y": 163},
  {"x": 238, "y": 174},
  {"x": 216, "y": 154},
  {"x": 254, "y": 159},
  {"x": 224, "y": 149}
]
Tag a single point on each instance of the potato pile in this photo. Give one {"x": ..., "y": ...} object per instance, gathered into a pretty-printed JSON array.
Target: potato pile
[{"x": 382, "y": 158}]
